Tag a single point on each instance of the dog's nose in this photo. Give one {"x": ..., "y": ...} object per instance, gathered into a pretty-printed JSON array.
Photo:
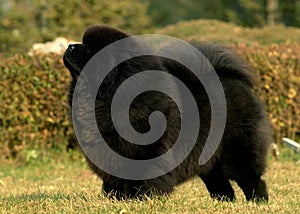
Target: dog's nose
[{"x": 71, "y": 47}]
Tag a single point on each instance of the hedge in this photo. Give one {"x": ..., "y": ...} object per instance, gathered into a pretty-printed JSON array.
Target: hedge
[
  {"x": 34, "y": 113},
  {"x": 278, "y": 67}
]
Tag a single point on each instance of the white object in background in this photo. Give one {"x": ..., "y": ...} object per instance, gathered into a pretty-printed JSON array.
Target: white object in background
[
  {"x": 292, "y": 144},
  {"x": 57, "y": 46}
]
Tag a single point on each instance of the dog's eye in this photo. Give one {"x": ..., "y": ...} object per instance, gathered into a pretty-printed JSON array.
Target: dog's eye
[{"x": 87, "y": 48}]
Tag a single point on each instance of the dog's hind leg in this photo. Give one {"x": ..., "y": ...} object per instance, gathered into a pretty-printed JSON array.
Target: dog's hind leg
[{"x": 218, "y": 185}]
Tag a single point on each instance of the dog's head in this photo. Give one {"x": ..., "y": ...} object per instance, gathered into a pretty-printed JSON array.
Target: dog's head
[{"x": 94, "y": 39}]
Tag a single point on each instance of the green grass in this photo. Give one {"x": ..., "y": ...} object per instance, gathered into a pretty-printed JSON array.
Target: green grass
[
  {"x": 227, "y": 33},
  {"x": 65, "y": 185}
]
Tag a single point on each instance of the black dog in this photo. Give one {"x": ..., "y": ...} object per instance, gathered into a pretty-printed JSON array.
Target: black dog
[{"x": 241, "y": 155}]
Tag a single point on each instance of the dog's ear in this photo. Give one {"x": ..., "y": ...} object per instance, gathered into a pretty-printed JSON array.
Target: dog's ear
[{"x": 98, "y": 36}]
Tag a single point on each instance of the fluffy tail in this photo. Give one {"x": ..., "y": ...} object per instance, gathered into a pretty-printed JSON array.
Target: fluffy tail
[
  {"x": 229, "y": 64},
  {"x": 224, "y": 60}
]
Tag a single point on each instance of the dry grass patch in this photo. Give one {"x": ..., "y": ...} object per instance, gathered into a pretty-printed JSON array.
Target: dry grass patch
[{"x": 68, "y": 186}]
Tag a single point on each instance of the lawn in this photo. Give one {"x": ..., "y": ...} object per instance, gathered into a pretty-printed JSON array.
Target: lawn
[{"x": 65, "y": 185}]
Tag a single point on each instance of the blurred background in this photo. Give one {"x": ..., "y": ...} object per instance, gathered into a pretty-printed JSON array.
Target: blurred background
[
  {"x": 34, "y": 115},
  {"x": 23, "y": 22}
]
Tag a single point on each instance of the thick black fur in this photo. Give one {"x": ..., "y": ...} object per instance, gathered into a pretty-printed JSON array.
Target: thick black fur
[{"x": 241, "y": 155}]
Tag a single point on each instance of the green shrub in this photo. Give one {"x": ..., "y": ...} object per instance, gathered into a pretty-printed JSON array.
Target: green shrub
[
  {"x": 227, "y": 33},
  {"x": 34, "y": 114},
  {"x": 34, "y": 110},
  {"x": 278, "y": 67},
  {"x": 26, "y": 22}
]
